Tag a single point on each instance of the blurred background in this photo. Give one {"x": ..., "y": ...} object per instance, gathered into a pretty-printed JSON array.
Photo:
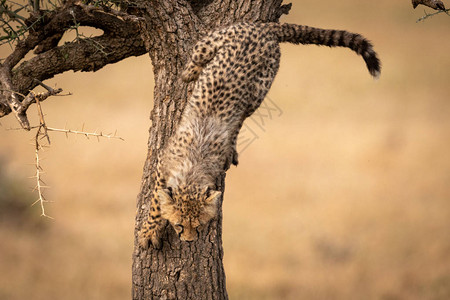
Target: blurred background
[{"x": 342, "y": 191}]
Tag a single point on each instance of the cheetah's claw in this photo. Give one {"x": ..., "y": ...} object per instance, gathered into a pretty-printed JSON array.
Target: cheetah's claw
[{"x": 146, "y": 239}]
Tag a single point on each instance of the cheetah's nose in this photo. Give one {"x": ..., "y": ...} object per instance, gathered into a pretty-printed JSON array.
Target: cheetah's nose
[{"x": 189, "y": 237}]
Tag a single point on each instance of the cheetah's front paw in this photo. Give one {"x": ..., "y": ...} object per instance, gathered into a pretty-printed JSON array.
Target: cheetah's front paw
[{"x": 147, "y": 236}]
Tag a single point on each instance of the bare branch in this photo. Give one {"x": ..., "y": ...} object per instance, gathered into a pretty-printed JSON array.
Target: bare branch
[
  {"x": 42, "y": 130},
  {"x": 41, "y": 199},
  {"x": 87, "y": 134},
  {"x": 63, "y": 18},
  {"x": 20, "y": 107},
  {"x": 81, "y": 55},
  {"x": 120, "y": 40},
  {"x": 427, "y": 15},
  {"x": 47, "y": 28},
  {"x": 11, "y": 97},
  {"x": 40, "y": 133},
  {"x": 35, "y": 98},
  {"x": 36, "y": 6},
  {"x": 434, "y": 4}
]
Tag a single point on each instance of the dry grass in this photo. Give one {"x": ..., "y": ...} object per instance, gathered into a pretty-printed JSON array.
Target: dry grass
[{"x": 344, "y": 196}]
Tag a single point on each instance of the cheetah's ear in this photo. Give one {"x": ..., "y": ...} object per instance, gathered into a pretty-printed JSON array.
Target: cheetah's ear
[
  {"x": 213, "y": 199},
  {"x": 166, "y": 203},
  {"x": 210, "y": 207},
  {"x": 164, "y": 197}
]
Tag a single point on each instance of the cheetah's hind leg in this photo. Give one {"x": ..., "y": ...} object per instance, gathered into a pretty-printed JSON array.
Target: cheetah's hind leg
[
  {"x": 191, "y": 72},
  {"x": 203, "y": 52},
  {"x": 235, "y": 159}
]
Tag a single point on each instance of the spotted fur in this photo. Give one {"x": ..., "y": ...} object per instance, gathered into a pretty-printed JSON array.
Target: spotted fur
[{"x": 234, "y": 68}]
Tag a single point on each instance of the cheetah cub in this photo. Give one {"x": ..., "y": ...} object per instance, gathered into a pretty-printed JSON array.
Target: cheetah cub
[{"x": 234, "y": 68}]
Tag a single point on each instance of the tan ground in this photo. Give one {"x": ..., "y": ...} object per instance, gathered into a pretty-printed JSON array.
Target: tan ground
[{"x": 345, "y": 195}]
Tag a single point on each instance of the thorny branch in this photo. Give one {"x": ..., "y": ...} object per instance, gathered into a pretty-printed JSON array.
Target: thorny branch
[
  {"x": 42, "y": 134},
  {"x": 20, "y": 107},
  {"x": 434, "y": 4},
  {"x": 87, "y": 134},
  {"x": 39, "y": 26},
  {"x": 427, "y": 15}
]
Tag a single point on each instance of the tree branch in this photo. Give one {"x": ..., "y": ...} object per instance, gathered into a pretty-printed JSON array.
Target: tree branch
[
  {"x": 427, "y": 15},
  {"x": 85, "y": 55},
  {"x": 434, "y": 4},
  {"x": 11, "y": 99},
  {"x": 120, "y": 40}
]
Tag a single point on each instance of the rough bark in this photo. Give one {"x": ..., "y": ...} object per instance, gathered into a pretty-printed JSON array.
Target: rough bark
[
  {"x": 167, "y": 30},
  {"x": 182, "y": 270}
]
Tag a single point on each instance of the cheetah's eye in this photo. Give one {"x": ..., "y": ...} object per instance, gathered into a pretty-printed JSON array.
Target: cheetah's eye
[
  {"x": 178, "y": 228},
  {"x": 169, "y": 191},
  {"x": 207, "y": 190}
]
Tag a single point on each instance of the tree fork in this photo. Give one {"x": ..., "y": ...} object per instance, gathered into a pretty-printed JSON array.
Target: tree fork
[{"x": 182, "y": 270}]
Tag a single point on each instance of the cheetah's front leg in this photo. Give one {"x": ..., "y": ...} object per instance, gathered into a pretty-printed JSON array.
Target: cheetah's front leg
[{"x": 151, "y": 229}]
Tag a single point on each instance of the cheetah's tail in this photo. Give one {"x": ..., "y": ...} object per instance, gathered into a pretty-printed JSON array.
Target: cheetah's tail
[{"x": 299, "y": 34}]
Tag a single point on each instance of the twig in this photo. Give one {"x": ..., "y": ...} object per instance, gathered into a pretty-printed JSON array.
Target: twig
[
  {"x": 87, "y": 134},
  {"x": 36, "y": 6},
  {"x": 40, "y": 133},
  {"x": 427, "y": 15},
  {"x": 11, "y": 98},
  {"x": 41, "y": 200},
  {"x": 42, "y": 125},
  {"x": 35, "y": 97},
  {"x": 20, "y": 107},
  {"x": 79, "y": 37},
  {"x": 20, "y": 128}
]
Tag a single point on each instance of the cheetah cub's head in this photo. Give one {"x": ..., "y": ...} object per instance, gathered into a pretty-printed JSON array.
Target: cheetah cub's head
[{"x": 187, "y": 208}]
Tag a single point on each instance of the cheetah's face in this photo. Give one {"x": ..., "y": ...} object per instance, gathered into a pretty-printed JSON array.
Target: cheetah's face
[{"x": 188, "y": 208}]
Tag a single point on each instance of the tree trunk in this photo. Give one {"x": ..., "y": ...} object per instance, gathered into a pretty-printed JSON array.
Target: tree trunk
[{"x": 182, "y": 270}]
